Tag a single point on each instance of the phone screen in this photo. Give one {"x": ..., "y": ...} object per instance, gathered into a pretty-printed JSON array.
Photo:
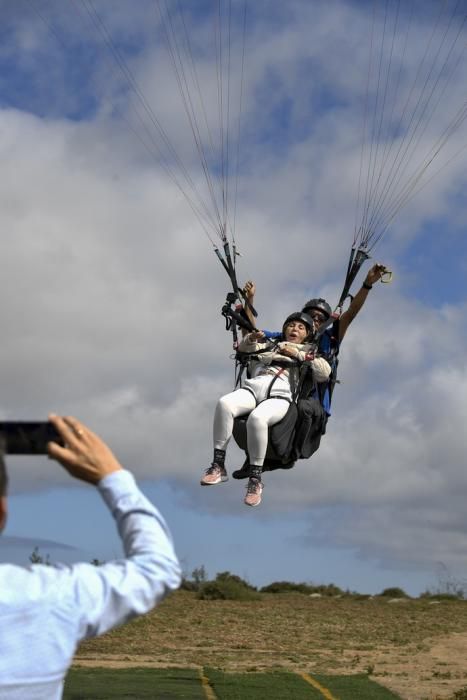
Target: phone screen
[{"x": 27, "y": 437}]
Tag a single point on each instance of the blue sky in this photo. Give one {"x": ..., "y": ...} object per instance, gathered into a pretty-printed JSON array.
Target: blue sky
[{"x": 112, "y": 294}]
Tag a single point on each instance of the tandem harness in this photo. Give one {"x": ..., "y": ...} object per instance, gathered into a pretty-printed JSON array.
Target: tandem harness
[
  {"x": 298, "y": 434},
  {"x": 327, "y": 346}
]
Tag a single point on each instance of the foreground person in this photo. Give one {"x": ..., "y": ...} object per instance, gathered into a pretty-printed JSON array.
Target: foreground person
[
  {"x": 45, "y": 611},
  {"x": 265, "y": 397}
]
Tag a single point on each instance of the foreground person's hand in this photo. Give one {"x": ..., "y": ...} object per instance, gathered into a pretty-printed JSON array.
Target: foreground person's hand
[{"x": 84, "y": 455}]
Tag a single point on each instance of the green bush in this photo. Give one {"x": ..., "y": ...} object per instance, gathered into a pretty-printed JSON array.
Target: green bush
[
  {"x": 36, "y": 557},
  {"x": 442, "y": 596},
  {"x": 198, "y": 577},
  {"x": 354, "y": 595},
  {"x": 306, "y": 588},
  {"x": 394, "y": 593},
  {"x": 227, "y": 576},
  {"x": 227, "y": 586},
  {"x": 286, "y": 587},
  {"x": 188, "y": 585},
  {"x": 328, "y": 589}
]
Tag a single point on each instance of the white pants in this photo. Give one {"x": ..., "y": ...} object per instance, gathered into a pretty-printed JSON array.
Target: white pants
[{"x": 240, "y": 403}]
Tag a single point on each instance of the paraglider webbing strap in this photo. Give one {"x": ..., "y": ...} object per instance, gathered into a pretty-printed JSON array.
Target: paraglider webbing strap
[
  {"x": 233, "y": 317},
  {"x": 243, "y": 359},
  {"x": 328, "y": 348},
  {"x": 229, "y": 267},
  {"x": 243, "y": 355},
  {"x": 322, "y": 330},
  {"x": 248, "y": 303},
  {"x": 356, "y": 260},
  {"x": 274, "y": 379},
  {"x": 240, "y": 367},
  {"x": 304, "y": 387},
  {"x": 332, "y": 356},
  {"x": 295, "y": 386}
]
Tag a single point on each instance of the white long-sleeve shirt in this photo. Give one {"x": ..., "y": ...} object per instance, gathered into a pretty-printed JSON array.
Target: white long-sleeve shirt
[{"x": 45, "y": 611}]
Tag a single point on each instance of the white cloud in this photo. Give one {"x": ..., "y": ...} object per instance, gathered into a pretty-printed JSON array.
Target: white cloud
[{"x": 111, "y": 294}]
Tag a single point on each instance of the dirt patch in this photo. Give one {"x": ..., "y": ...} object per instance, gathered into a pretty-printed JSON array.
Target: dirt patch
[{"x": 434, "y": 672}]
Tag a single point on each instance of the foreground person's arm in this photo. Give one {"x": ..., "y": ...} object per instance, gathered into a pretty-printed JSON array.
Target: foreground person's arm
[{"x": 110, "y": 594}]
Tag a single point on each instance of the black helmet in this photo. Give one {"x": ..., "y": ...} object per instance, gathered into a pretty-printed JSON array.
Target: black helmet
[
  {"x": 318, "y": 304},
  {"x": 299, "y": 316}
]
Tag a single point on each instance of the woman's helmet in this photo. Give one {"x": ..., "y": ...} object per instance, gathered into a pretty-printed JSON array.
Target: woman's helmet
[
  {"x": 299, "y": 316},
  {"x": 318, "y": 304}
]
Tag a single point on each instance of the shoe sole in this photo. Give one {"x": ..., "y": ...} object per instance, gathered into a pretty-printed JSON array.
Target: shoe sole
[
  {"x": 214, "y": 483},
  {"x": 252, "y": 505}
]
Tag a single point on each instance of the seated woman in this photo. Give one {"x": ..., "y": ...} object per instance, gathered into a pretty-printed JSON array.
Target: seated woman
[{"x": 265, "y": 396}]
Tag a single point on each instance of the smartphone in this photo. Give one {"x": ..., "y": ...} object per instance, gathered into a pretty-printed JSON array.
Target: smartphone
[{"x": 27, "y": 437}]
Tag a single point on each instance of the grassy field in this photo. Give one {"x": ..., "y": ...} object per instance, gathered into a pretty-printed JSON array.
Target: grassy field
[
  {"x": 413, "y": 647},
  {"x": 185, "y": 684},
  {"x": 134, "y": 683}
]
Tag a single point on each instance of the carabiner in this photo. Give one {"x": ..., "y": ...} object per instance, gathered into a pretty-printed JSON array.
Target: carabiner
[{"x": 386, "y": 277}]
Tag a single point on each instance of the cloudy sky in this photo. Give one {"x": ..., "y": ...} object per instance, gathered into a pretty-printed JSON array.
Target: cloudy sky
[{"x": 111, "y": 291}]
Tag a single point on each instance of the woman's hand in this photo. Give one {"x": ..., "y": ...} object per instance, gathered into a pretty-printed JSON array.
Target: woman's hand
[{"x": 288, "y": 349}]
